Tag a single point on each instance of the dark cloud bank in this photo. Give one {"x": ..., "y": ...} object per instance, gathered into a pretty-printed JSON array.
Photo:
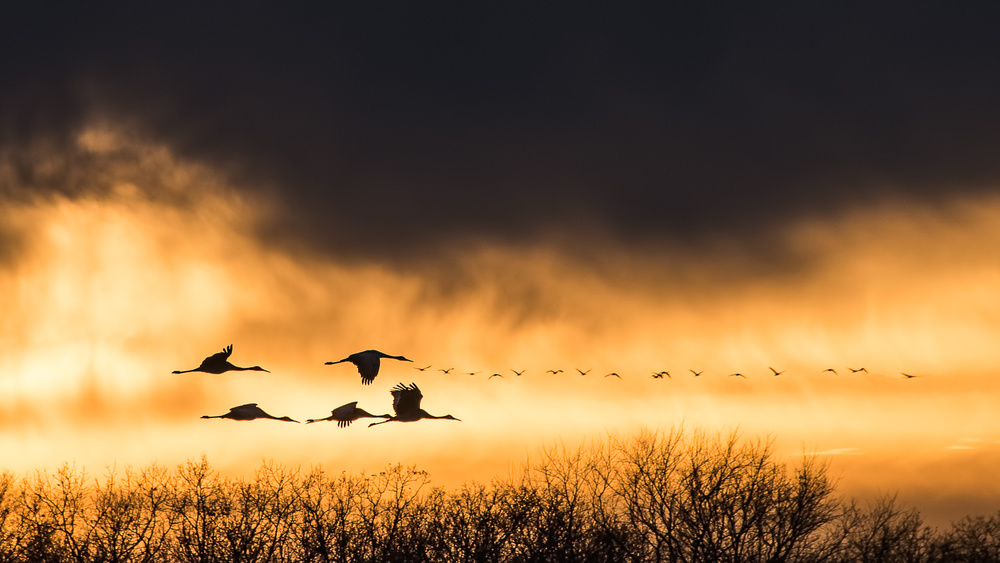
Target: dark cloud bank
[{"x": 392, "y": 128}]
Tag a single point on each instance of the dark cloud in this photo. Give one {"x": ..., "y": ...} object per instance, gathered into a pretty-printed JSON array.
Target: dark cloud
[{"x": 393, "y": 128}]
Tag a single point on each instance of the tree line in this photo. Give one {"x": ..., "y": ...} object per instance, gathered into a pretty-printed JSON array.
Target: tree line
[{"x": 651, "y": 497}]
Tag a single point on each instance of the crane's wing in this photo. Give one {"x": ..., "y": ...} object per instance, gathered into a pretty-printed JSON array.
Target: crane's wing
[
  {"x": 219, "y": 356},
  {"x": 406, "y": 399},
  {"x": 367, "y": 367},
  {"x": 344, "y": 412}
]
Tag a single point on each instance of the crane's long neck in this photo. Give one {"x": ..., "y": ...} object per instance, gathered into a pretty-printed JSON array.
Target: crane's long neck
[
  {"x": 186, "y": 370},
  {"x": 388, "y": 419}
]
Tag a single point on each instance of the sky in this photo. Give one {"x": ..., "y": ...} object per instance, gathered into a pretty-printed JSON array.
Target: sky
[{"x": 722, "y": 188}]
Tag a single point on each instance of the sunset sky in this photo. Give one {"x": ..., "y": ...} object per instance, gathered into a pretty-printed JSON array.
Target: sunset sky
[{"x": 719, "y": 189}]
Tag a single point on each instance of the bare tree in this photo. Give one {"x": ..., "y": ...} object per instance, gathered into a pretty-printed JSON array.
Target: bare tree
[{"x": 971, "y": 540}]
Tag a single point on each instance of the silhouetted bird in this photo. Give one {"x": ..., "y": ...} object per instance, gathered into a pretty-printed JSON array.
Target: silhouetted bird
[
  {"x": 613, "y": 374},
  {"x": 406, "y": 405},
  {"x": 517, "y": 373},
  {"x": 472, "y": 372},
  {"x": 737, "y": 374},
  {"x": 445, "y": 371},
  {"x": 346, "y": 414},
  {"x": 660, "y": 374},
  {"x": 493, "y": 375},
  {"x": 908, "y": 376},
  {"x": 219, "y": 363},
  {"x": 249, "y": 411},
  {"x": 423, "y": 368},
  {"x": 776, "y": 372},
  {"x": 367, "y": 363},
  {"x": 857, "y": 370},
  {"x": 696, "y": 373},
  {"x": 583, "y": 372},
  {"x": 829, "y": 369},
  {"x": 554, "y": 371}
]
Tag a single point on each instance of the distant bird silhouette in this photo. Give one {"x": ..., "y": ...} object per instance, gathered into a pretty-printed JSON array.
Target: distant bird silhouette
[
  {"x": 422, "y": 369},
  {"x": 445, "y": 371},
  {"x": 908, "y": 376},
  {"x": 776, "y": 372},
  {"x": 696, "y": 373},
  {"x": 493, "y": 375},
  {"x": 406, "y": 405},
  {"x": 737, "y": 374},
  {"x": 249, "y": 411},
  {"x": 554, "y": 371},
  {"x": 346, "y": 414},
  {"x": 472, "y": 372},
  {"x": 613, "y": 374},
  {"x": 583, "y": 372},
  {"x": 857, "y": 370},
  {"x": 829, "y": 369},
  {"x": 367, "y": 363},
  {"x": 517, "y": 373},
  {"x": 660, "y": 374},
  {"x": 219, "y": 363}
]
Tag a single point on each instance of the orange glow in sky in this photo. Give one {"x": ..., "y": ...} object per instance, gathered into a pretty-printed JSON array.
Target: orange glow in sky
[{"x": 104, "y": 293}]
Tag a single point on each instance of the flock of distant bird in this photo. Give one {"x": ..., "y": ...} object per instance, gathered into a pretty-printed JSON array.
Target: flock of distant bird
[{"x": 405, "y": 398}]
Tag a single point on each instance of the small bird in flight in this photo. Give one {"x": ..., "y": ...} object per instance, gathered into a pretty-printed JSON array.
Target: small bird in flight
[
  {"x": 737, "y": 374},
  {"x": 517, "y": 373},
  {"x": 776, "y": 372},
  {"x": 660, "y": 374},
  {"x": 583, "y": 372},
  {"x": 696, "y": 373},
  {"x": 422, "y": 369},
  {"x": 367, "y": 363},
  {"x": 857, "y": 370},
  {"x": 249, "y": 411},
  {"x": 908, "y": 376},
  {"x": 472, "y": 372},
  {"x": 554, "y": 371},
  {"x": 346, "y": 414},
  {"x": 445, "y": 371},
  {"x": 830, "y": 370},
  {"x": 493, "y": 375},
  {"x": 613, "y": 374},
  {"x": 219, "y": 363}
]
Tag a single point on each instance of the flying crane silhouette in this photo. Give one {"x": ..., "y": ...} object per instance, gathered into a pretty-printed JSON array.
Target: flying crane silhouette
[
  {"x": 422, "y": 369},
  {"x": 249, "y": 411},
  {"x": 857, "y": 370},
  {"x": 445, "y": 371},
  {"x": 613, "y": 374},
  {"x": 367, "y": 363},
  {"x": 346, "y": 414},
  {"x": 696, "y": 373},
  {"x": 517, "y": 373},
  {"x": 583, "y": 372},
  {"x": 406, "y": 405},
  {"x": 219, "y": 363},
  {"x": 830, "y": 370},
  {"x": 776, "y": 372},
  {"x": 554, "y": 371}
]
